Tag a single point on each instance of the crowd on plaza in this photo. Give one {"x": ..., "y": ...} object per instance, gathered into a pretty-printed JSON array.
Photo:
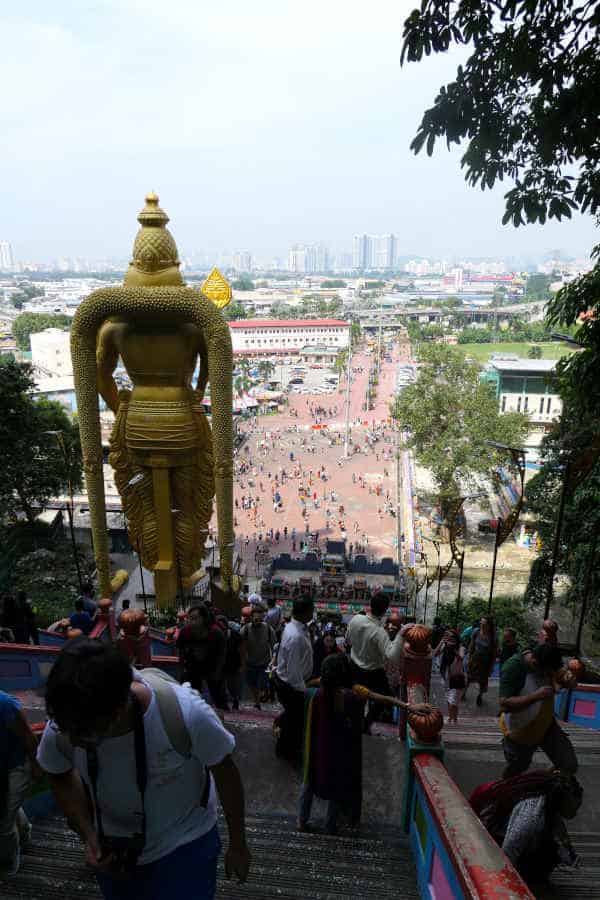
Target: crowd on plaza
[{"x": 136, "y": 760}]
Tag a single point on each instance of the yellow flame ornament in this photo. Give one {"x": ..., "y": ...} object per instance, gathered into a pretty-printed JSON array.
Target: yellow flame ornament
[{"x": 217, "y": 289}]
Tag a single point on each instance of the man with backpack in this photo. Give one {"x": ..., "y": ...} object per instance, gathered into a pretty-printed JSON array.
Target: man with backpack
[{"x": 133, "y": 759}]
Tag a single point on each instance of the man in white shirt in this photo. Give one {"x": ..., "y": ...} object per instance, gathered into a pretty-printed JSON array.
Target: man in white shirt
[
  {"x": 371, "y": 648},
  {"x": 143, "y": 809},
  {"x": 294, "y": 669}
]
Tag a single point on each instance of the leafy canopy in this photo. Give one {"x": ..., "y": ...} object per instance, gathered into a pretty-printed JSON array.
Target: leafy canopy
[
  {"x": 450, "y": 414},
  {"x": 32, "y": 465},
  {"x": 527, "y": 99},
  {"x": 30, "y": 323}
]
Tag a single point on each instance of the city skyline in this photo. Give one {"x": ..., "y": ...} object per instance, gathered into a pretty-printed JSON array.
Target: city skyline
[{"x": 254, "y": 133}]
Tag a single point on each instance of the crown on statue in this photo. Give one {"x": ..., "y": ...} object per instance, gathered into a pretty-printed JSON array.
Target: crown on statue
[{"x": 155, "y": 258}]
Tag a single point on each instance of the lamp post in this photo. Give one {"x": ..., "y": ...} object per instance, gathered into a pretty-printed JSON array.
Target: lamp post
[
  {"x": 60, "y": 440},
  {"x": 436, "y": 544},
  {"x": 557, "y": 535},
  {"x": 461, "y": 568},
  {"x": 506, "y": 525}
]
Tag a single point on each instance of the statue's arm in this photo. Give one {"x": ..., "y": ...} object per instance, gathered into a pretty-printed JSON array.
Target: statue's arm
[{"x": 107, "y": 357}]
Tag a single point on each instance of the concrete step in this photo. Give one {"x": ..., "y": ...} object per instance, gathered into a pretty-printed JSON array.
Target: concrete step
[{"x": 286, "y": 865}]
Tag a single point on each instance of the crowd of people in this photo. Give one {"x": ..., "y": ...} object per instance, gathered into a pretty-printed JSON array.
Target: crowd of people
[{"x": 331, "y": 681}]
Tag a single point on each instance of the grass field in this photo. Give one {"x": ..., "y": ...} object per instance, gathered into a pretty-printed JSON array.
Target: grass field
[{"x": 482, "y": 352}]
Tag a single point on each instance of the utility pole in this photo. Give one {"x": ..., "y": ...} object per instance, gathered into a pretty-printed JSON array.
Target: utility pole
[
  {"x": 347, "y": 427},
  {"x": 380, "y": 338}
]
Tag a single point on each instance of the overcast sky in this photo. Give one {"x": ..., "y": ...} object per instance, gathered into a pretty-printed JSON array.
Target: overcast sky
[{"x": 258, "y": 123}]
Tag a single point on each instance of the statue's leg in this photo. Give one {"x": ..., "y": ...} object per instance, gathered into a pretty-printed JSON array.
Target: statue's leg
[
  {"x": 192, "y": 497},
  {"x": 165, "y": 569}
]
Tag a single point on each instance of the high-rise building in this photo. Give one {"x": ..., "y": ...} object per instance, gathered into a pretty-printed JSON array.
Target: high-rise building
[
  {"x": 242, "y": 261},
  {"x": 386, "y": 252},
  {"x": 308, "y": 258},
  {"x": 362, "y": 251},
  {"x": 7, "y": 263}
]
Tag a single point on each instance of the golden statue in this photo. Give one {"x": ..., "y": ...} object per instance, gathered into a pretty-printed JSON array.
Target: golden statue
[{"x": 168, "y": 464}]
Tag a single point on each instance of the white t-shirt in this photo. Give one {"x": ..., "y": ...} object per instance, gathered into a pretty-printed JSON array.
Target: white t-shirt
[{"x": 175, "y": 784}]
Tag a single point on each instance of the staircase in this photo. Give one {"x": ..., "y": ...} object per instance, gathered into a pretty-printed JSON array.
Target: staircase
[{"x": 286, "y": 865}]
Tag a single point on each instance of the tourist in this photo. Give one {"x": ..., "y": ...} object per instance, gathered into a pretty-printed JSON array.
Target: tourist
[
  {"x": 527, "y": 706},
  {"x": 333, "y": 731},
  {"x": 81, "y": 619},
  {"x": 273, "y": 615},
  {"x": 483, "y": 650},
  {"x": 107, "y": 723},
  {"x": 87, "y": 595},
  {"x": 14, "y": 619},
  {"x": 202, "y": 647},
  {"x": 258, "y": 639},
  {"x": 325, "y": 645},
  {"x": 18, "y": 748},
  {"x": 509, "y": 645},
  {"x": 232, "y": 667},
  {"x": 525, "y": 815},
  {"x": 124, "y": 608},
  {"x": 371, "y": 648},
  {"x": 452, "y": 670},
  {"x": 294, "y": 669}
]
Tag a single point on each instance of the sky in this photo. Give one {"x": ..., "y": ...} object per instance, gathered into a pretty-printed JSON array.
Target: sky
[{"x": 259, "y": 124}]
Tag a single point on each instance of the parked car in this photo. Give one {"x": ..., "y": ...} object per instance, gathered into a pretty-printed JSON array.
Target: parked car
[
  {"x": 296, "y": 381},
  {"x": 488, "y": 526}
]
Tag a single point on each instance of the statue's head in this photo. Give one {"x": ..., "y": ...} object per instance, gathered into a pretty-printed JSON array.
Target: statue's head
[{"x": 155, "y": 259}]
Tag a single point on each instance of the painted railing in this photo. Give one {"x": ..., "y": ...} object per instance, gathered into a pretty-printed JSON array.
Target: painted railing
[
  {"x": 580, "y": 705},
  {"x": 455, "y": 857},
  {"x": 24, "y": 667}
]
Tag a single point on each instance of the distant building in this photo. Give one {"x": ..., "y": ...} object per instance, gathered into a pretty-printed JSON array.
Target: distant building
[
  {"x": 386, "y": 252},
  {"x": 242, "y": 261},
  {"x": 283, "y": 336},
  {"x": 51, "y": 352},
  {"x": 527, "y": 386},
  {"x": 308, "y": 258},
  {"x": 362, "y": 251},
  {"x": 7, "y": 262}
]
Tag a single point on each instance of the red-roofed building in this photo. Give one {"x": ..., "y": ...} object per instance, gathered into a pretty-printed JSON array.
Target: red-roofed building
[{"x": 284, "y": 336}]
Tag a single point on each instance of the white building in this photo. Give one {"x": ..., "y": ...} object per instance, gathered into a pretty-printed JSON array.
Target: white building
[
  {"x": 387, "y": 251},
  {"x": 527, "y": 386},
  {"x": 242, "y": 261},
  {"x": 284, "y": 336},
  {"x": 362, "y": 251},
  {"x": 7, "y": 262},
  {"x": 308, "y": 258},
  {"x": 51, "y": 352}
]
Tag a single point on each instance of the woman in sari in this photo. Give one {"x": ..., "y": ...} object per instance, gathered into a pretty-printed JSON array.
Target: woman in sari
[{"x": 333, "y": 728}]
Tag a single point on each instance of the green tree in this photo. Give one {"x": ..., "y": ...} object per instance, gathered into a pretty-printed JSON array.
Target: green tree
[
  {"x": 537, "y": 286},
  {"x": 334, "y": 283},
  {"x": 18, "y": 300},
  {"x": 355, "y": 333},
  {"x": 523, "y": 100},
  {"x": 450, "y": 414},
  {"x": 234, "y": 310},
  {"x": 30, "y": 323},
  {"x": 243, "y": 283},
  {"x": 33, "y": 468},
  {"x": 242, "y": 385},
  {"x": 266, "y": 369},
  {"x": 534, "y": 353}
]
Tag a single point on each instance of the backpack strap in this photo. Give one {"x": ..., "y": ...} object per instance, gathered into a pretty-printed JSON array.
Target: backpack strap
[
  {"x": 64, "y": 746},
  {"x": 170, "y": 710}
]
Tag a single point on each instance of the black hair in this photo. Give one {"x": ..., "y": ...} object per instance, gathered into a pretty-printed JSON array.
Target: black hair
[
  {"x": 303, "y": 608},
  {"x": 87, "y": 587},
  {"x": 336, "y": 673},
  {"x": 548, "y": 657},
  {"x": 79, "y": 605},
  {"x": 206, "y": 614},
  {"x": 126, "y": 604},
  {"x": 379, "y": 604},
  {"x": 90, "y": 680}
]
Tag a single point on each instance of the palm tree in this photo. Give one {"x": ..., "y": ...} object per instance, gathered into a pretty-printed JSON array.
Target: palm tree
[
  {"x": 242, "y": 385},
  {"x": 266, "y": 369},
  {"x": 244, "y": 365}
]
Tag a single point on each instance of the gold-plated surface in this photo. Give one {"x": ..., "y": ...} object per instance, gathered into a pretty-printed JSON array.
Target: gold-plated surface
[
  {"x": 168, "y": 463},
  {"x": 217, "y": 289}
]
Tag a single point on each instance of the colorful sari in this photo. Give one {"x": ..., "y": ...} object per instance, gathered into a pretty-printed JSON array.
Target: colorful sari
[{"x": 333, "y": 749}]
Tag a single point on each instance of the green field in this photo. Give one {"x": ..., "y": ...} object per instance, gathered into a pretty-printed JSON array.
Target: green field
[{"x": 482, "y": 352}]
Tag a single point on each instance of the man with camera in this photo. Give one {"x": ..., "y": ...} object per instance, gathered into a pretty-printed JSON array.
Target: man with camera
[{"x": 133, "y": 760}]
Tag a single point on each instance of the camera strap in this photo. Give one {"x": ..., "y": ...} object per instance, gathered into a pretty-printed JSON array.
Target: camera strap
[{"x": 141, "y": 766}]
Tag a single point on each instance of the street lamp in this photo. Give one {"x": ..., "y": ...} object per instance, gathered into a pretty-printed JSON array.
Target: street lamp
[
  {"x": 60, "y": 440},
  {"x": 506, "y": 525},
  {"x": 436, "y": 544}
]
